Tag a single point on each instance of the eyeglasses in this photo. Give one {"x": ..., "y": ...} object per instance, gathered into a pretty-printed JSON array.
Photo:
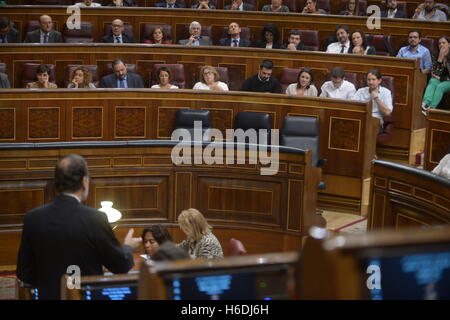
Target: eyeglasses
[
  {"x": 117, "y": 25},
  {"x": 207, "y": 72}
]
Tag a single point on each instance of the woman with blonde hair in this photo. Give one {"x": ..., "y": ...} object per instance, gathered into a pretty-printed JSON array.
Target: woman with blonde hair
[
  {"x": 200, "y": 241},
  {"x": 210, "y": 80},
  {"x": 81, "y": 77}
]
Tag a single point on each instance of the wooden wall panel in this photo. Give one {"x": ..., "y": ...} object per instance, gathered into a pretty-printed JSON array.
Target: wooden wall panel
[
  {"x": 437, "y": 140},
  {"x": 404, "y": 196},
  {"x": 408, "y": 83}
]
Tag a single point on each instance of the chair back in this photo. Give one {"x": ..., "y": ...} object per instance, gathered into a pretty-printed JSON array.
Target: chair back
[
  {"x": 255, "y": 120},
  {"x": 236, "y": 248}
]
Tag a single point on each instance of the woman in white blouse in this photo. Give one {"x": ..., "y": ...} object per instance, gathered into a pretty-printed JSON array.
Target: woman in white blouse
[
  {"x": 164, "y": 76},
  {"x": 210, "y": 80},
  {"x": 304, "y": 85}
]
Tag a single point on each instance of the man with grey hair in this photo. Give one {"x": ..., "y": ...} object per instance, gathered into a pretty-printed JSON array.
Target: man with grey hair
[
  {"x": 196, "y": 39},
  {"x": 66, "y": 234},
  {"x": 117, "y": 34}
]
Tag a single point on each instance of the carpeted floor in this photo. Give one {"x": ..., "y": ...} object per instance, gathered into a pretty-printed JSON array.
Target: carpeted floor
[{"x": 8, "y": 284}]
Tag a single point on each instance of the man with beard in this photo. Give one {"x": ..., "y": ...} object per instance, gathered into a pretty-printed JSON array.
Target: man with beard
[
  {"x": 343, "y": 43},
  {"x": 65, "y": 233},
  {"x": 429, "y": 12},
  {"x": 416, "y": 50},
  {"x": 121, "y": 78},
  {"x": 392, "y": 10},
  {"x": 263, "y": 80}
]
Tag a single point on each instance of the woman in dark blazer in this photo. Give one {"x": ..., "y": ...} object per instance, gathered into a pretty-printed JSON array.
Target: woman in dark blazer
[{"x": 270, "y": 37}]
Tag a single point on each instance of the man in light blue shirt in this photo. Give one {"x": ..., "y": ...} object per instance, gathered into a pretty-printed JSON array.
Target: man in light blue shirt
[{"x": 416, "y": 50}]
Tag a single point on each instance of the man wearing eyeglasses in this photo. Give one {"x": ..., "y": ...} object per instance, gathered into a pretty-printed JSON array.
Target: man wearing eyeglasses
[
  {"x": 117, "y": 35},
  {"x": 416, "y": 51}
]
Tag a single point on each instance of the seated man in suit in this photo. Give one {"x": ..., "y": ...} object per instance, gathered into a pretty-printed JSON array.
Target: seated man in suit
[
  {"x": 169, "y": 4},
  {"x": 239, "y": 5},
  {"x": 45, "y": 34},
  {"x": 117, "y": 35},
  {"x": 235, "y": 39},
  {"x": 392, "y": 10},
  {"x": 121, "y": 78},
  {"x": 294, "y": 41},
  {"x": 196, "y": 39},
  {"x": 4, "y": 81},
  {"x": 263, "y": 80},
  {"x": 8, "y": 34}
]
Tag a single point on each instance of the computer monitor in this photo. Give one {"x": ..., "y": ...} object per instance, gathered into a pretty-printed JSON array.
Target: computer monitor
[
  {"x": 396, "y": 264},
  {"x": 250, "y": 277},
  {"x": 409, "y": 273},
  {"x": 105, "y": 287}
]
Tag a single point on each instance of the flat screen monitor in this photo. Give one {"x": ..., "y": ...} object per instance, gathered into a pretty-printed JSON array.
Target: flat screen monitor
[
  {"x": 247, "y": 283},
  {"x": 109, "y": 291},
  {"x": 411, "y": 273}
]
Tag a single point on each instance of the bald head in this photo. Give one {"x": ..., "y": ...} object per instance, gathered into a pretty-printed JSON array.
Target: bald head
[
  {"x": 45, "y": 23},
  {"x": 70, "y": 172},
  {"x": 117, "y": 27}
]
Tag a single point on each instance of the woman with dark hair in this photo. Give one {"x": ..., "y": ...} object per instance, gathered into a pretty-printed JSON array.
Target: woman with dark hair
[
  {"x": 164, "y": 76},
  {"x": 80, "y": 77},
  {"x": 440, "y": 76},
  {"x": 359, "y": 44},
  {"x": 380, "y": 97},
  {"x": 42, "y": 77},
  {"x": 304, "y": 85},
  {"x": 157, "y": 36},
  {"x": 153, "y": 237},
  {"x": 270, "y": 37},
  {"x": 351, "y": 8}
]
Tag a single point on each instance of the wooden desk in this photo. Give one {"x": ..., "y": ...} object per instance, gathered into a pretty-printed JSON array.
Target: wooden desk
[
  {"x": 217, "y": 19},
  {"x": 348, "y": 130},
  {"x": 403, "y": 196},
  {"x": 437, "y": 141},
  {"x": 242, "y": 63},
  {"x": 144, "y": 184}
]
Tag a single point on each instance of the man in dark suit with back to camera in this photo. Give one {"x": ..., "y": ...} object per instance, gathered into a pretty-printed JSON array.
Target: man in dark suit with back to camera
[
  {"x": 239, "y": 5},
  {"x": 117, "y": 35},
  {"x": 7, "y": 33},
  {"x": 121, "y": 78},
  {"x": 65, "y": 233},
  {"x": 234, "y": 39},
  {"x": 45, "y": 34},
  {"x": 392, "y": 10}
]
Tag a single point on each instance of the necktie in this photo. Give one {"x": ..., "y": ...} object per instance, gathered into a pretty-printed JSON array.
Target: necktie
[
  {"x": 343, "y": 48},
  {"x": 121, "y": 83},
  {"x": 45, "y": 38},
  {"x": 118, "y": 39},
  {"x": 235, "y": 43}
]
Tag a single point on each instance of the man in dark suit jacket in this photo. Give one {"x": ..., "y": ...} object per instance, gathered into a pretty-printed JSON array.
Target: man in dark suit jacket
[
  {"x": 196, "y": 39},
  {"x": 239, "y": 5},
  {"x": 392, "y": 10},
  {"x": 7, "y": 33},
  {"x": 4, "y": 81},
  {"x": 65, "y": 235},
  {"x": 294, "y": 41},
  {"x": 235, "y": 39},
  {"x": 121, "y": 3},
  {"x": 45, "y": 34},
  {"x": 121, "y": 78},
  {"x": 169, "y": 4},
  {"x": 117, "y": 35}
]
